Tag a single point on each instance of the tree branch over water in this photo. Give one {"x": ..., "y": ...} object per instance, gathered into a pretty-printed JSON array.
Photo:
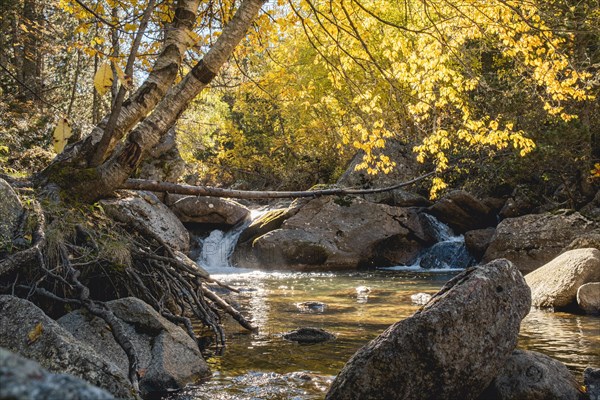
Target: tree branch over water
[{"x": 208, "y": 191}]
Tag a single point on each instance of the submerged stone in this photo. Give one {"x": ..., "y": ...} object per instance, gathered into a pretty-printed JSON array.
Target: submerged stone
[
  {"x": 529, "y": 375},
  {"x": 309, "y": 335}
]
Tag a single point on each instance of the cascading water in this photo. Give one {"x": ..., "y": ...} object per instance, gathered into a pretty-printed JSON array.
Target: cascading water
[
  {"x": 449, "y": 253},
  {"x": 219, "y": 245},
  {"x": 217, "y": 248}
]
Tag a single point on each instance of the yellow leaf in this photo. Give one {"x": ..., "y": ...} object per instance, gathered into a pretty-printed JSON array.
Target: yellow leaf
[
  {"x": 124, "y": 79},
  {"x": 103, "y": 79},
  {"x": 62, "y": 132},
  {"x": 35, "y": 333}
]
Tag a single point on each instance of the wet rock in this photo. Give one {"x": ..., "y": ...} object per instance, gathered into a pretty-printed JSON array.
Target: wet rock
[
  {"x": 311, "y": 306},
  {"x": 463, "y": 212},
  {"x": 528, "y": 375},
  {"x": 10, "y": 213},
  {"x": 478, "y": 240},
  {"x": 168, "y": 357},
  {"x": 308, "y": 335},
  {"x": 362, "y": 294},
  {"x": 452, "y": 348},
  {"x": 555, "y": 284},
  {"x": 338, "y": 233},
  {"x": 55, "y": 348},
  {"x": 591, "y": 381},
  {"x": 588, "y": 297},
  {"x": 209, "y": 210},
  {"x": 144, "y": 212},
  {"x": 420, "y": 298},
  {"x": 452, "y": 254},
  {"x": 533, "y": 240},
  {"x": 23, "y": 379}
]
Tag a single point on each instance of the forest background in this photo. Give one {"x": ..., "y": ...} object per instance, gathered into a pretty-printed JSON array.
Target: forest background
[{"x": 493, "y": 95}]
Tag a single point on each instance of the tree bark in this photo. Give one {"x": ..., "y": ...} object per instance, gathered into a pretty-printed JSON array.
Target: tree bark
[
  {"x": 31, "y": 69},
  {"x": 91, "y": 183}
]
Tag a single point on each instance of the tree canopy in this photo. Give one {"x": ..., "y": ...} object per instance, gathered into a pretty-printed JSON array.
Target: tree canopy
[{"x": 292, "y": 89}]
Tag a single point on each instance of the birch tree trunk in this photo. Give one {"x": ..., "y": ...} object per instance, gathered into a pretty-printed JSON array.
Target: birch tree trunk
[{"x": 151, "y": 111}]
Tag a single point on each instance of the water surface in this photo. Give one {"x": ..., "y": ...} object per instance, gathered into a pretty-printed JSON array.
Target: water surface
[{"x": 265, "y": 366}]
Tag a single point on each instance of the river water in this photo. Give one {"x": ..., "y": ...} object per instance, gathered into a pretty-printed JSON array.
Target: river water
[
  {"x": 358, "y": 306},
  {"x": 265, "y": 366}
]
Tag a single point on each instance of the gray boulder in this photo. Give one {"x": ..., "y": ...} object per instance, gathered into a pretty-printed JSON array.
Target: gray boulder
[
  {"x": 168, "y": 357},
  {"x": 555, "y": 284},
  {"x": 144, "y": 212},
  {"x": 339, "y": 233},
  {"x": 10, "y": 213},
  {"x": 209, "y": 210},
  {"x": 478, "y": 240},
  {"x": 591, "y": 381},
  {"x": 588, "y": 297},
  {"x": 528, "y": 375},
  {"x": 533, "y": 240},
  {"x": 55, "y": 348},
  {"x": 452, "y": 348},
  {"x": 23, "y": 379},
  {"x": 463, "y": 212}
]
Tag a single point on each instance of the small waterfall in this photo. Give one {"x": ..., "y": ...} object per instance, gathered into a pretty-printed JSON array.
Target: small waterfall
[
  {"x": 449, "y": 253},
  {"x": 219, "y": 245},
  {"x": 441, "y": 231},
  {"x": 217, "y": 249}
]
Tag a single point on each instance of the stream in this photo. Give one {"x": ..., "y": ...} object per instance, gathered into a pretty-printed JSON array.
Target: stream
[{"x": 358, "y": 306}]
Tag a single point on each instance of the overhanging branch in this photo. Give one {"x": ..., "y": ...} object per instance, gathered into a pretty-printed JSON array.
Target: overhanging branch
[{"x": 208, "y": 191}]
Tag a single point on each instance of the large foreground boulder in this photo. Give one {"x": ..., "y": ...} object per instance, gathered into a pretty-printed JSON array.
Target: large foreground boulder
[
  {"x": 168, "y": 357},
  {"x": 529, "y": 375},
  {"x": 452, "y": 348},
  {"x": 26, "y": 330},
  {"x": 463, "y": 212},
  {"x": 23, "y": 379},
  {"x": 555, "y": 284},
  {"x": 533, "y": 240},
  {"x": 144, "y": 212},
  {"x": 338, "y": 233}
]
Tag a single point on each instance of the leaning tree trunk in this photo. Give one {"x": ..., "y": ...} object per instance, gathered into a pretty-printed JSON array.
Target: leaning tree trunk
[{"x": 149, "y": 113}]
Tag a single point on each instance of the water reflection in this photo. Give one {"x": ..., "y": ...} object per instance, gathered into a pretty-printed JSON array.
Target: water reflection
[
  {"x": 265, "y": 366},
  {"x": 572, "y": 339}
]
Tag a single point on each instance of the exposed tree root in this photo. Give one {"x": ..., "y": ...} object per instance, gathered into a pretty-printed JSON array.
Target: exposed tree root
[{"x": 67, "y": 263}]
